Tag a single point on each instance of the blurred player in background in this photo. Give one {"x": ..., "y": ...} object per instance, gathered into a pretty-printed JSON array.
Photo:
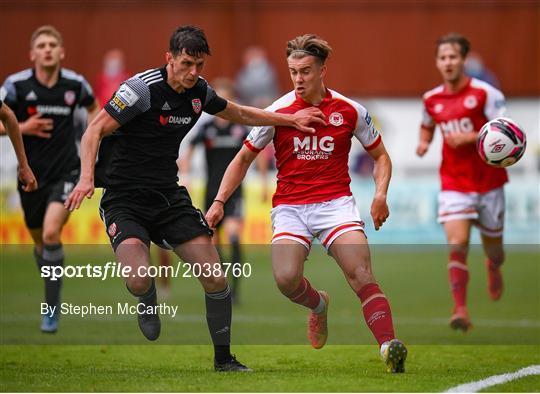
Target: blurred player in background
[
  {"x": 11, "y": 128},
  {"x": 150, "y": 114},
  {"x": 111, "y": 76},
  {"x": 314, "y": 199},
  {"x": 222, "y": 141},
  {"x": 44, "y": 98},
  {"x": 472, "y": 191}
]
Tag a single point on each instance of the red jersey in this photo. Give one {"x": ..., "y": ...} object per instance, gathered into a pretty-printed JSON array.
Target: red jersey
[
  {"x": 465, "y": 111},
  {"x": 314, "y": 168}
]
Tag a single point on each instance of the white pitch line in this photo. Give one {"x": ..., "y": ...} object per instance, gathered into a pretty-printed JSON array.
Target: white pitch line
[{"x": 494, "y": 380}]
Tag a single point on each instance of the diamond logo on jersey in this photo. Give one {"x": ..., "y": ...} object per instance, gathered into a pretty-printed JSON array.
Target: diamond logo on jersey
[
  {"x": 166, "y": 107},
  {"x": 438, "y": 108},
  {"x": 112, "y": 230},
  {"x": 336, "y": 119},
  {"x": 470, "y": 102},
  {"x": 31, "y": 96},
  {"x": 165, "y": 120},
  {"x": 69, "y": 97},
  {"x": 197, "y": 105}
]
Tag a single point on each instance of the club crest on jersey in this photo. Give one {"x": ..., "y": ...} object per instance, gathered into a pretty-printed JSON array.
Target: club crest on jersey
[
  {"x": 112, "y": 230},
  {"x": 69, "y": 97},
  {"x": 336, "y": 119},
  {"x": 438, "y": 108},
  {"x": 197, "y": 105},
  {"x": 470, "y": 102}
]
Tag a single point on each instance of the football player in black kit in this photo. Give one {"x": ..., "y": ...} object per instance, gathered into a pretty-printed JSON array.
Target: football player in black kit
[
  {"x": 43, "y": 99},
  {"x": 150, "y": 114},
  {"x": 222, "y": 140}
]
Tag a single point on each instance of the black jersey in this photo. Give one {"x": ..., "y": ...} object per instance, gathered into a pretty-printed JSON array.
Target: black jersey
[
  {"x": 50, "y": 158},
  {"x": 221, "y": 145},
  {"x": 154, "y": 119}
]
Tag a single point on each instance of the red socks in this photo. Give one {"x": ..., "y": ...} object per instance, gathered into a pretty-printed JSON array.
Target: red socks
[
  {"x": 377, "y": 312},
  {"x": 305, "y": 295},
  {"x": 458, "y": 274}
]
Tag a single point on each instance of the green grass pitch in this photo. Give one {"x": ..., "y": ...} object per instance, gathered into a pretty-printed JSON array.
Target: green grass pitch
[{"x": 108, "y": 353}]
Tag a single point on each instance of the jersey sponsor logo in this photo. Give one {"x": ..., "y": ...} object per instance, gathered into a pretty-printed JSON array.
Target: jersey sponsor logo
[
  {"x": 112, "y": 230},
  {"x": 165, "y": 120},
  {"x": 69, "y": 97},
  {"x": 31, "y": 96},
  {"x": 470, "y": 102},
  {"x": 336, "y": 119},
  {"x": 438, "y": 108},
  {"x": 49, "y": 110},
  {"x": 166, "y": 107},
  {"x": 313, "y": 148},
  {"x": 127, "y": 95},
  {"x": 197, "y": 105},
  {"x": 463, "y": 125}
]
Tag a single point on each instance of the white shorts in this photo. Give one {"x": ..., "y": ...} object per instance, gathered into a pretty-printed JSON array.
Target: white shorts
[
  {"x": 486, "y": 209},
  {"x": 324, "y": 220}
]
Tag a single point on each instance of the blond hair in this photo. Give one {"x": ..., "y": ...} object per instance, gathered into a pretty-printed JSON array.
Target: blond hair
[
  {"x": 308, "y": 45},
  {"x": 47, "y": 30}
]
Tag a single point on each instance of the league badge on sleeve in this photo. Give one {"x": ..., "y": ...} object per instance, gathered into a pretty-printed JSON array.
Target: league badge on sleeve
[{"x": 197, "y": 105}]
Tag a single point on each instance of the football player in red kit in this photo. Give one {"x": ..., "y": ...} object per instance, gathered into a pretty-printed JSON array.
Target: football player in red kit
[
  {"x": 471, "y": 191},
  {"x": 314, "y": 199}
]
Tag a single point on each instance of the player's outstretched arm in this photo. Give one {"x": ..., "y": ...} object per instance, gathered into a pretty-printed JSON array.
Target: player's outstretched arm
[
  {"x": 11, "y": 126},
  {"x": 102, "y": 125},
  {"x": 426, "y": 136},
  {"x": 233, "y": 177},
  {"x": 382, "y": 173},
  {"x": 258, "y": 117}
]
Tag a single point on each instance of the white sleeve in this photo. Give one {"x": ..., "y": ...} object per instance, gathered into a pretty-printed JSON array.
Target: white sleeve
[
  {"x": 365, "y": 131},
  {"x": 259, "y": 137},
  {"x": 495, "y": 103},
  {"x": 427, "y": 120}
]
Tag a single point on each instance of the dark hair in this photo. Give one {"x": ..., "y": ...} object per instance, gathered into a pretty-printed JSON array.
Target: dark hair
[
  {"x": 455, "y": 38},
  {"x": 309, "y": 44},
  {"x": 190, "y": 38}
]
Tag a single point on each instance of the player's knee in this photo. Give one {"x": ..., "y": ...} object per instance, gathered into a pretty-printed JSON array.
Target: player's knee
[
  {"x": 360, "y": 276},
  {"x": 287, "y": 282},
  {"x": 51, "y": 236},
  {"x": 496, "y": 256}
]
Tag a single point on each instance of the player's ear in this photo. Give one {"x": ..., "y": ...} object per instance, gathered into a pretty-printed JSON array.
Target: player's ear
[
  {"x": 169, "y": 57},
  {"x": 32, "y": 55},
  {"x": 323, "y": 70},
  {"x": 62, "y": 53}
]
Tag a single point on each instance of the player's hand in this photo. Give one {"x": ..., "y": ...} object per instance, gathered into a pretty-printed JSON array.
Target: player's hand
[
  {"x": 309, "y": 116},
  {"x": 379, "y": 211},
  {"x": 27, "y": 178},
  {"x": 37, "y": 127},
  {"x": 422, "y": 148},
  {"x": 214, "y": 214},
  {"x": 85, "y": 188}
]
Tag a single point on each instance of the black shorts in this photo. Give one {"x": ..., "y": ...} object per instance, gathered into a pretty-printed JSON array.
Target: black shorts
[
  {"x": 234, "y": 207},
  {"x": 165, "y": 217},
  {"x": 35, "y": 203}
]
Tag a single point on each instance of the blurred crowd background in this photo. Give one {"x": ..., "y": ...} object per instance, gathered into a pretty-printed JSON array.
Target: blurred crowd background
[{"x": 383, "y": 56}]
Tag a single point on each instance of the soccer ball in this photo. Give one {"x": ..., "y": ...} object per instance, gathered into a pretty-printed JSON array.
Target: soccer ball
[{"x": 501, "y": 142}]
